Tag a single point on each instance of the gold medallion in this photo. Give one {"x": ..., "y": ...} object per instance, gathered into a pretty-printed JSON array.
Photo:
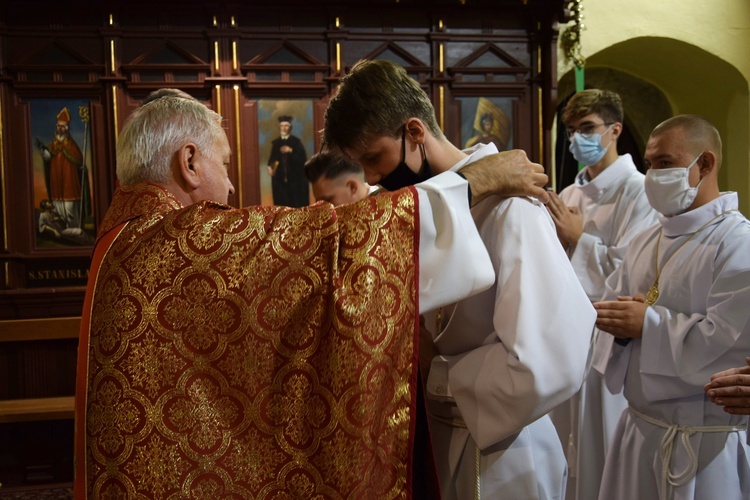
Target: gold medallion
[{"x": 653, "y": 292}]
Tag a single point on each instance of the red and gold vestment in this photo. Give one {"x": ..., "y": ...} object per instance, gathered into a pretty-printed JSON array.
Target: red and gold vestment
[{"x": 249, "y": 353}]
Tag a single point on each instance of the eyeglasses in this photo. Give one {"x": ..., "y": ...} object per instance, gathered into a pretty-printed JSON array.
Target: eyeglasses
[{"x": 588, "y": 129}]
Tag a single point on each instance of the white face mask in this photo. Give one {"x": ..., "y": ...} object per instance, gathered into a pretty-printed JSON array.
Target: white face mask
[{"x": 668, "y": 189}]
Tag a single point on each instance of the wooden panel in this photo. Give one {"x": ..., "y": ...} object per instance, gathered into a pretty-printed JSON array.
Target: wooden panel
[
  {"x": 38, "y": 357},
  {"x": 30, "y": 303},
  {"x": 27, "y": 410},
  {"x": 39, "y": 329},
  {"x": 223, "y": 53}
]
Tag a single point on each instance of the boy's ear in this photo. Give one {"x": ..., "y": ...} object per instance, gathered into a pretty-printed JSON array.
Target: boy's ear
[
  {"x": 351, "y": 185},
  {"x": 617, "y": 129},
  {"x": 416, "y": 130},
  {"x": 186, "y": 157}
]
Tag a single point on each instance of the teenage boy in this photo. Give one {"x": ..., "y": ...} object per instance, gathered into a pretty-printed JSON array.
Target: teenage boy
[
  {"x": 502, "y": 359},
  {"x": 596, "y": 218}
]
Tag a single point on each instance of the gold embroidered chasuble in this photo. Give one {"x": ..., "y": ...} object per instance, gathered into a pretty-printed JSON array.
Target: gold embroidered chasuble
[{"x": 249, "y": 353}]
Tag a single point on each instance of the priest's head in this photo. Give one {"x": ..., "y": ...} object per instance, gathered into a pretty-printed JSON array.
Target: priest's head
[{"x": 177, "y": 143}]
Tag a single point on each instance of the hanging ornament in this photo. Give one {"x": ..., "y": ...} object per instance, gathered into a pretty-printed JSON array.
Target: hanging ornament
[{"x": 570, "y": 40}]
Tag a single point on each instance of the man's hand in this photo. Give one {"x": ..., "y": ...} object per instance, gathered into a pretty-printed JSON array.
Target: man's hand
[
  {"x": 508, "y": 173},
  {"x": 285, "y": 149},
  {"x": 568, "y": 220},
  {"x": 623, "y": 317},
  {"x": 731, "y": 389}
]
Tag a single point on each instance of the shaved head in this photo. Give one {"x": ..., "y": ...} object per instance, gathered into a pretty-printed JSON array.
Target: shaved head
[{"x": 698, "y": 132}]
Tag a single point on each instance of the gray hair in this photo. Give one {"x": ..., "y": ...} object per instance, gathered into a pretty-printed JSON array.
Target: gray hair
[{"x": 156, "y": 131}]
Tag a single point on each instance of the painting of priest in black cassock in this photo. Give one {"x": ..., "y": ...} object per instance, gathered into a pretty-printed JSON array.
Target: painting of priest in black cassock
[{"x": 286, "y": 168}]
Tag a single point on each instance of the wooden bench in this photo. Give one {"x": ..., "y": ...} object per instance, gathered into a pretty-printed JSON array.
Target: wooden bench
[
  {"x": 30, "y": 410},
  {"x": 36, "y": 409},
  {"x": 17, "y": 330}
]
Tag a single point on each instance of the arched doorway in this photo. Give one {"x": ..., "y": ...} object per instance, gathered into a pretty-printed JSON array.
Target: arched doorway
[{"x": 691, "y": 80}]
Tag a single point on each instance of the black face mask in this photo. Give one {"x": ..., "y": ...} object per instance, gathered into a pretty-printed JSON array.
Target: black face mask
[{"x": 403, "y": 176}]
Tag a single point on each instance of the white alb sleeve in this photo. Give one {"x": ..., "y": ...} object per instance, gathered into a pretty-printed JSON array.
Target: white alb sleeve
[{"x": 453, "y": 261}]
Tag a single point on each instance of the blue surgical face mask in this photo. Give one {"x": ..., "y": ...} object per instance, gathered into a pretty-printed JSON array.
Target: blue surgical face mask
[{"x": 588, "y": 149}]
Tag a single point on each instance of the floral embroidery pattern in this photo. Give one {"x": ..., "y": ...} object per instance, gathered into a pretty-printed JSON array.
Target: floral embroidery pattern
[
  {"x": 116, "y": 313},
  {"x": 152, "y": 365},
  {"x": 152, "y": 269},
  {"x": 198, "y": 314},
  {"x": 111, "y": 417},
  {"x": 255, "y": 353},
  {"x": 204, "y": 414}
]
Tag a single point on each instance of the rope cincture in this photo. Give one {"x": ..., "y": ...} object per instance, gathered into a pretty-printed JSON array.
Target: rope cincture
[{"x": 669, "y": 478}]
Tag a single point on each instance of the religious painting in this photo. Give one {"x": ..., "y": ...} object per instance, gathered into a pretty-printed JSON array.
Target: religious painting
[
  {"x": 62, "y": 183},
  {"x": 487, "y": 120},
  {"x": 286, "y": 141}
]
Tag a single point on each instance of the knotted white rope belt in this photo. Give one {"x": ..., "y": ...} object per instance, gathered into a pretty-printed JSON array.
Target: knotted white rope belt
[{"x": 668, "y": 445}]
